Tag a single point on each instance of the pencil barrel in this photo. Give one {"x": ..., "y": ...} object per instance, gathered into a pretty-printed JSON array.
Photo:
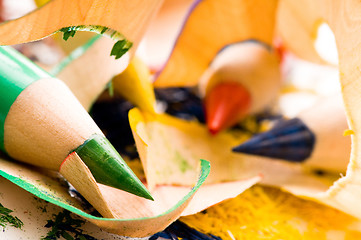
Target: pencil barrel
[{"x": 17, "y": 73}]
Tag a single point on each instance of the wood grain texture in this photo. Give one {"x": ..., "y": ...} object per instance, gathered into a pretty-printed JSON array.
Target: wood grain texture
[
  {"x": 344, "y": 19},
  {"x": 212, "y": 25},
  {"x": 129, "y": 18}
]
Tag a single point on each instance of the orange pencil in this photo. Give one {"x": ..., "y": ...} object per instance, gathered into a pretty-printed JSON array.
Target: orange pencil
[{"x": 242, "y": 80}]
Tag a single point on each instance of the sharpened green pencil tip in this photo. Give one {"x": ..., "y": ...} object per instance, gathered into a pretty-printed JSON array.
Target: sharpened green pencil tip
[{"x": 108, "y": 167}]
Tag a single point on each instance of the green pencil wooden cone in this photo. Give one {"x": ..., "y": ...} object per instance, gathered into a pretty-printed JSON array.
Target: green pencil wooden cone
[
  {"x": 108, "y": 167},
  {"x": 41, "y": 121}
]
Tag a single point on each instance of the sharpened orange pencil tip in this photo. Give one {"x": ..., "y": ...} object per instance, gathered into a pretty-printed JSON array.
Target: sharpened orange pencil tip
[{"x": 225, "y": 105}]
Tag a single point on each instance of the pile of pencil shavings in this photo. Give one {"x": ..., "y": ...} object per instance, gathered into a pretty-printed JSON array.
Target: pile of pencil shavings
[
  {"x": 250, "y": 190},
  {"x": 259, "y": 211}
]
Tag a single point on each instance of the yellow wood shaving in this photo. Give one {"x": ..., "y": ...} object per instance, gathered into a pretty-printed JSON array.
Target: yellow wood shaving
[
  {"x": 348, "y": 132},
  {"x": 40, "y": 3},
  {"x": 269, "y": 213}
]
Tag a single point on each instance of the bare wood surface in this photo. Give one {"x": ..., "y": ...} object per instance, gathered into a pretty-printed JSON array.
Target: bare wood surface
[
  {"x": 79, "y": 175},
  {"x": 163, "y": 31},
  {"x": 88, "y": 75},
  {"x": 212, "y": 25},
  {"x": 343, "y": 17},
  {"x": 327, "y": 120},
  {"x": 129, "y": 18},
  {"x": 297, "y": 26}
]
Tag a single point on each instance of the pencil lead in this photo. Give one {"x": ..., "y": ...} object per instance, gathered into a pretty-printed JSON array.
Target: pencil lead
[
  {"x": 225, "y": 105},
  {"x": 289, "y": 140},
  {"x": 108, "y": 167}
]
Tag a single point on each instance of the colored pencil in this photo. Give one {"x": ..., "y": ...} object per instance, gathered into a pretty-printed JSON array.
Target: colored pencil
[
  {"x": 243, "y": 79},
  {"x": 42, "y": 123},
  {"x": 314, "y": 137}
]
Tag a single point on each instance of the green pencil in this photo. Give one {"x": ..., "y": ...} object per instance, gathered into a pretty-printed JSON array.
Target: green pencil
[{"x": 42, "y": 123}]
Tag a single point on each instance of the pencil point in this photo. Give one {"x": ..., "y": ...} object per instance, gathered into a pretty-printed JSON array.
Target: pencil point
[
  {"x": 109, "y": 168},
  {"x": 290, "y": 140},
  {"x": 225, "y": 105}
]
